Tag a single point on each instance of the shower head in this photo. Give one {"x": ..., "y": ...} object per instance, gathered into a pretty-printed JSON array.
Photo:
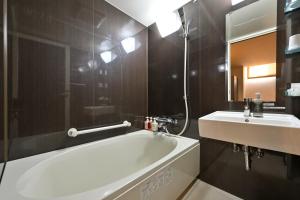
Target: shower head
[
  {"x": 184, "y": 23},
  {"x": 182, "y": 17}
]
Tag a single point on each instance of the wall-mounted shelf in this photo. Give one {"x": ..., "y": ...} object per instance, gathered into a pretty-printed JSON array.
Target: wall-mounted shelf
[
  {"x": 291, "y": 52},
  {"x": 292, "y": 6},
  {"x": 293, "y": 97}
]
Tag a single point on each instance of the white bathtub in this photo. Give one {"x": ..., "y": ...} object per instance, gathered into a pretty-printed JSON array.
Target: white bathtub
[{"x": 138, "y": 165}]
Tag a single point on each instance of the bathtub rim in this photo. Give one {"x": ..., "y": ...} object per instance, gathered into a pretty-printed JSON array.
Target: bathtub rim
[
  {"x": 34, "y": 160},
  {"x": 109, "y": 141}
]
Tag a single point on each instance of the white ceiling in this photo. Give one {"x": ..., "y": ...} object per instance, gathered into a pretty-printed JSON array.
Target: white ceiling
[{"x": 147, "y": 11}]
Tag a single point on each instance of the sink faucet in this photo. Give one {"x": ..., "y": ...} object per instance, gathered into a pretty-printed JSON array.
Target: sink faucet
[{"x": 247, "y": 107}]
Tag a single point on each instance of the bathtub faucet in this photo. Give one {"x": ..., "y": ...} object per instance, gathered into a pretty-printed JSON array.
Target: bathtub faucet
[
  {"x": 166, "y": 120},
  {"x": 163, "y": 122}
]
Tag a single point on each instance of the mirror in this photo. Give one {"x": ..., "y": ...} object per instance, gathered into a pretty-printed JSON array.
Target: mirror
[{"x": 251, "y": 33}]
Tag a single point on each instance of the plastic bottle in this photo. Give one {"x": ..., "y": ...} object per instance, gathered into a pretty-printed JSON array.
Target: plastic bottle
[
  {"x": 154, "y": 125},
  {"x": 150, "y": 124},
  {"x": 146, "y": 123},
  {"x": 258, "y": 106},
  {"x": 247, "y": 109}
]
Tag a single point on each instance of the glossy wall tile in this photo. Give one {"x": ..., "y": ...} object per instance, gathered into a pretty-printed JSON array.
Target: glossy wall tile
[
  {"x": 2, "y": 150},
  {"x": 68, "y": 68},
  {"x": 273, "y": 177}
]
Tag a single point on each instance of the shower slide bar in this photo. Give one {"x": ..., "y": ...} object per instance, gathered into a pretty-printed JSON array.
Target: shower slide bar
[{"x": 73, "y": 132}]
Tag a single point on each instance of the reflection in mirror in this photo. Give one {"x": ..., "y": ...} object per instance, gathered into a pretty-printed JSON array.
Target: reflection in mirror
[{"x": 251, "y": 51}]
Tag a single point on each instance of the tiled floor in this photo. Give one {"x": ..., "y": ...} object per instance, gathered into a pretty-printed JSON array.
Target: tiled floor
[{"x": 203, "y": 191}]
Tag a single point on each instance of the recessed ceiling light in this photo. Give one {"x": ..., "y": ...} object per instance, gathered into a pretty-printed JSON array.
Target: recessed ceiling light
[
  {"x": 106, "y": 56},
  {"x": 128, "y": 44},
  {"x": 168, "y": 23}
]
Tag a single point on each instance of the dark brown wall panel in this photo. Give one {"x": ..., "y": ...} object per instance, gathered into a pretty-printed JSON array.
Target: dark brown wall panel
[
  {"x": 1, "y": 93},
  {"x": 58, "y": 79},
  {"x": 272, "y": 177}
]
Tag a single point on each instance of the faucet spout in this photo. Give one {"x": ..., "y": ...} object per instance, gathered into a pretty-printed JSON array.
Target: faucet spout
[
  {"x": 166, "y": 120},
  {"x": 247, "y": 107},
  {"x": 163, "y": 122}
]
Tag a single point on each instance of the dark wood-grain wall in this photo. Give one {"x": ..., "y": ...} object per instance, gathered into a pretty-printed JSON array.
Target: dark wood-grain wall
[
  {"x": 276, "y": 175},
  {"x": 1, "y": 94},
  {"x": 58, "y": 80}
]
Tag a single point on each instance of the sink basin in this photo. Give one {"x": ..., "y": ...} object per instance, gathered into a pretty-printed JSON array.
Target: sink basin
[{"x": 278, "y": 132}]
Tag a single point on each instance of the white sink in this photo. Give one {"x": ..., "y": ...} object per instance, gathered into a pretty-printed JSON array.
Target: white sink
[{"x": 278, "y": 132}]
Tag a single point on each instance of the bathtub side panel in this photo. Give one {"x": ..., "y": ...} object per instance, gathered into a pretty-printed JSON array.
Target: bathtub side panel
[{"x": 169, "y": 182}]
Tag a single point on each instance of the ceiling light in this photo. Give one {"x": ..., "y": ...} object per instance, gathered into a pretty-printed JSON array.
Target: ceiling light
[
  {"x": 168, "y": 23},
  {"x": 260, "y": 71},
  {"x": 106, "y": 56},
  {"x": 128, "y": 44},
  {"x": 92, "y": 64},
  {"x": 83, "y": 69}
]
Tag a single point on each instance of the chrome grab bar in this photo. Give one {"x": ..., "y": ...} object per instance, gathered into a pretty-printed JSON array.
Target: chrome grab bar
[{"x": 73, "y": 132}]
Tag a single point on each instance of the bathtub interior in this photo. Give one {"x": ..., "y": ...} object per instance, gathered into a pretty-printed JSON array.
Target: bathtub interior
[{"x": 93, "y": 166}]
